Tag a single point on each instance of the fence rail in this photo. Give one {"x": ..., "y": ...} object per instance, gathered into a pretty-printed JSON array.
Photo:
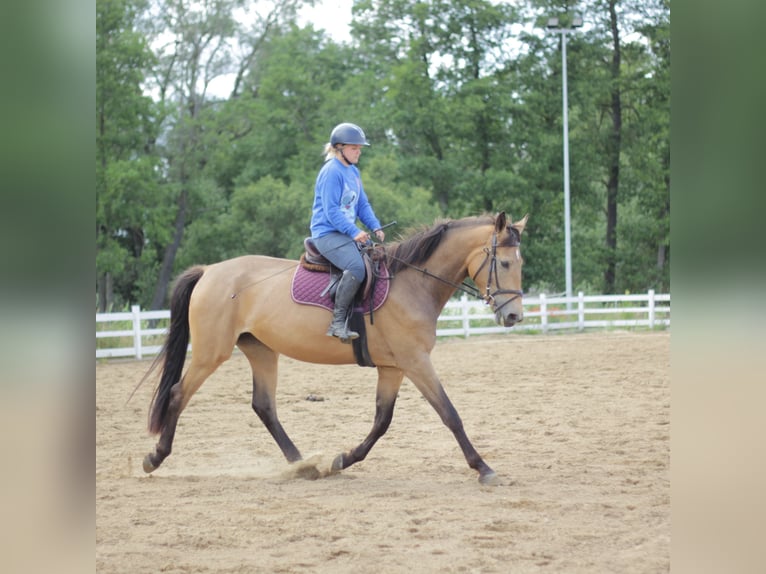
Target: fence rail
[{"x": 140, "y": 333}]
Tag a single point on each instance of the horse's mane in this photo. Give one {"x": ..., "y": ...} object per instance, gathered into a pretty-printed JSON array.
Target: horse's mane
[{"x": 420, "y": 243}]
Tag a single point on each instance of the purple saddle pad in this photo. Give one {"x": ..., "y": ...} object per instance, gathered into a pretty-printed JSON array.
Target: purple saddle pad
[{"x": 307, "y": 287}]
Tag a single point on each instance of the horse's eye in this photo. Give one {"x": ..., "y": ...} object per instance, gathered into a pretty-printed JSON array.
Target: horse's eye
[{"x": 505, "y": 264}]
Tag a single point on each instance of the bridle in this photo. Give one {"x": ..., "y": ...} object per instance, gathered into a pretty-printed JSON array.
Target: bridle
[
  {"x": 491, "y": 257},
  {"x": 488, "y": 297}
]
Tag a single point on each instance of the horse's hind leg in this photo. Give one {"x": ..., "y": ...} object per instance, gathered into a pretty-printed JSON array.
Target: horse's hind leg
[
  {"x": 180, "y": 394},
  {"x": 389, "y": 382},
  {"x": 264, "y": 364}
]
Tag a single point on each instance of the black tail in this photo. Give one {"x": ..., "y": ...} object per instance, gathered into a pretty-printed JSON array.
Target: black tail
[{"x": 173, "y": 353}]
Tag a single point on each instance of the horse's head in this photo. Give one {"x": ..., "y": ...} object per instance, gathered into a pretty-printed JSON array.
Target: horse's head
[{"x": 497, "y": 270}]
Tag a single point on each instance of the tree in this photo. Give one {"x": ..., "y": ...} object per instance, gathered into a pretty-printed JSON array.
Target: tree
[
  {"x": 648, "y": 163},
  {"x": 613, "y": 149},
  {"x": 461, "y": 101},
  {"x": 125, "y": 134},
  {"x": 607, "y": 102},
  {"x": 280, "y": 119},
  {"x": 202, "y": 40},
  {"x": 637, "y": 136},
  {"x": 439, "y": 90}
]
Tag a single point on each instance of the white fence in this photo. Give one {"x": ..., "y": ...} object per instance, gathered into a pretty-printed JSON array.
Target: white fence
[{"x": 144, "y": 331}]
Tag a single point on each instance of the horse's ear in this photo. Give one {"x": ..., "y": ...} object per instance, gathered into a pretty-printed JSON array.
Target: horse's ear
[
  {"x": 500, "y": 221},
  {"x": 519, "y": 225}
]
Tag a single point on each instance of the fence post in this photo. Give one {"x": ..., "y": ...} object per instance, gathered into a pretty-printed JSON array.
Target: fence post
[
  {"x": 543, "y": 313},
  {"x": 651, "y": 308},
  {"x": 580, "y": 310},
  {"x": 136, "y": 310}
]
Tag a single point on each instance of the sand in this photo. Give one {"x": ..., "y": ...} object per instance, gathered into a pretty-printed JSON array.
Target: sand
[{"x": 576, "y": 427}]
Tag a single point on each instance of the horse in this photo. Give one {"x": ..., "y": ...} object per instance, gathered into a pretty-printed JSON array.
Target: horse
[{"x": 245, "y": 302}]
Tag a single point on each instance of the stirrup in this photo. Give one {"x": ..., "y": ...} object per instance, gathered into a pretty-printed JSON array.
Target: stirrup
[{"x": 343, "y": 333}]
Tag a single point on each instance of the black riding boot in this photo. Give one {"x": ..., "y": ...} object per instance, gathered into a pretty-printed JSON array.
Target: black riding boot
[{"x": 344, "y": 297}]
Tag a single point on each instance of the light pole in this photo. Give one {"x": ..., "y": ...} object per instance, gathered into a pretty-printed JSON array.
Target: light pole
[{"x": 554, "y": 25}]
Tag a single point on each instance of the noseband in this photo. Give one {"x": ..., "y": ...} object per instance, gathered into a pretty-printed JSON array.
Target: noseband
[{"x": 490, "y": 255}]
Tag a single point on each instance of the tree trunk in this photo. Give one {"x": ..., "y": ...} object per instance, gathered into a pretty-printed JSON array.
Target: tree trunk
[
  {"x": 613, "y": 157},
  {"x": 166, "y": 269},
  {"x": 105, "y": 292},
  {"x": 662, "y": 249}
]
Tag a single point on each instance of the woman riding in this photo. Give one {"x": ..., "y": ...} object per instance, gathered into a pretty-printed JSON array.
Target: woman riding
[{"x": 339, "y": 200}]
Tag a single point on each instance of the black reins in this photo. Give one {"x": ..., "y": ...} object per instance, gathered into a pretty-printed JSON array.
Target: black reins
[
  {"x": 465, "y": 287},
  {"x": 489, "y": 298}
]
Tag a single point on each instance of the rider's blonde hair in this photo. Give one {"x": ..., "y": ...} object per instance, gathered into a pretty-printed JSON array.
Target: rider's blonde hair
[{"x": 330, "y": 152}]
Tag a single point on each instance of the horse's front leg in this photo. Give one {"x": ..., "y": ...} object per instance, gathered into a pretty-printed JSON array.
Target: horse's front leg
[
  {"x": 389, "y": 383},
  {"x": 427, "y": 382}
]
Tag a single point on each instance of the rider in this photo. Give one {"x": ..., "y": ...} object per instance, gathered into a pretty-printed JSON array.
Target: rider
[{"x": 339, "y": 200}]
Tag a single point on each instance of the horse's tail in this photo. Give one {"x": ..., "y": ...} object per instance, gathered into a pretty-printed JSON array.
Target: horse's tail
[{"x": 173, "y": 352}]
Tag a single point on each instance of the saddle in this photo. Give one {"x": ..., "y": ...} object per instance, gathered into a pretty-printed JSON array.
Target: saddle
[
  {"x": 313, "y": 260},
  {"x": 311, "y": 287}
]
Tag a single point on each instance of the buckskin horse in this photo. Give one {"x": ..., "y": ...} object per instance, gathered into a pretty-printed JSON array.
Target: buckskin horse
[{"x": 246, "y": 302}]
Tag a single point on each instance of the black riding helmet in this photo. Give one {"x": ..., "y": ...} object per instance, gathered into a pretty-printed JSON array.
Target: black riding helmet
[{"x": 346, "y": 133}]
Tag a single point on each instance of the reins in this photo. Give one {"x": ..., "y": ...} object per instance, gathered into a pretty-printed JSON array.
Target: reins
[
  {"x": 465, "y": 287},
  {"x": 489, "y": 298}
]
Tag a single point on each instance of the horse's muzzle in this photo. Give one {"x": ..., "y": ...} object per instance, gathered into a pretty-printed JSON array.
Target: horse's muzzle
[{"x": 508, "y": 320}]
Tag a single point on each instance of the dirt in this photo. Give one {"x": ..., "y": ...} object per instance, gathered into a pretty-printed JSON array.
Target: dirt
[{"x": 576, "y": 426}]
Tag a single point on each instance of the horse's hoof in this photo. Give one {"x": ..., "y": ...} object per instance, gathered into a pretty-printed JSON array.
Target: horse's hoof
[
  {"x": 148, "y": 466},
  {"x": 488, "y": 478},
  {"x": 337, "y": 464}
]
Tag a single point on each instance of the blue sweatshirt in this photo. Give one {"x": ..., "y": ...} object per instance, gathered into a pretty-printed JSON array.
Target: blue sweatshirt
[{"x": 339, "y": 200}]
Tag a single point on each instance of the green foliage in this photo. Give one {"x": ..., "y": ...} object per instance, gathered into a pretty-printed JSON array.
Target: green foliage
[
  {"x": 462, "y": 107},
  {"x": 127, "y": 210},
  {"x": 271, "y": 216},
  {"x": 268, "y": 217},
  {"x": 393, "y": 200}
]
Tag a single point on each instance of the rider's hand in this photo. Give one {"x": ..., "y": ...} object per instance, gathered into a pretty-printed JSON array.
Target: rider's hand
[
  {"x": 362, "y": 237},
  {"x": 380, "y": 234}
]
